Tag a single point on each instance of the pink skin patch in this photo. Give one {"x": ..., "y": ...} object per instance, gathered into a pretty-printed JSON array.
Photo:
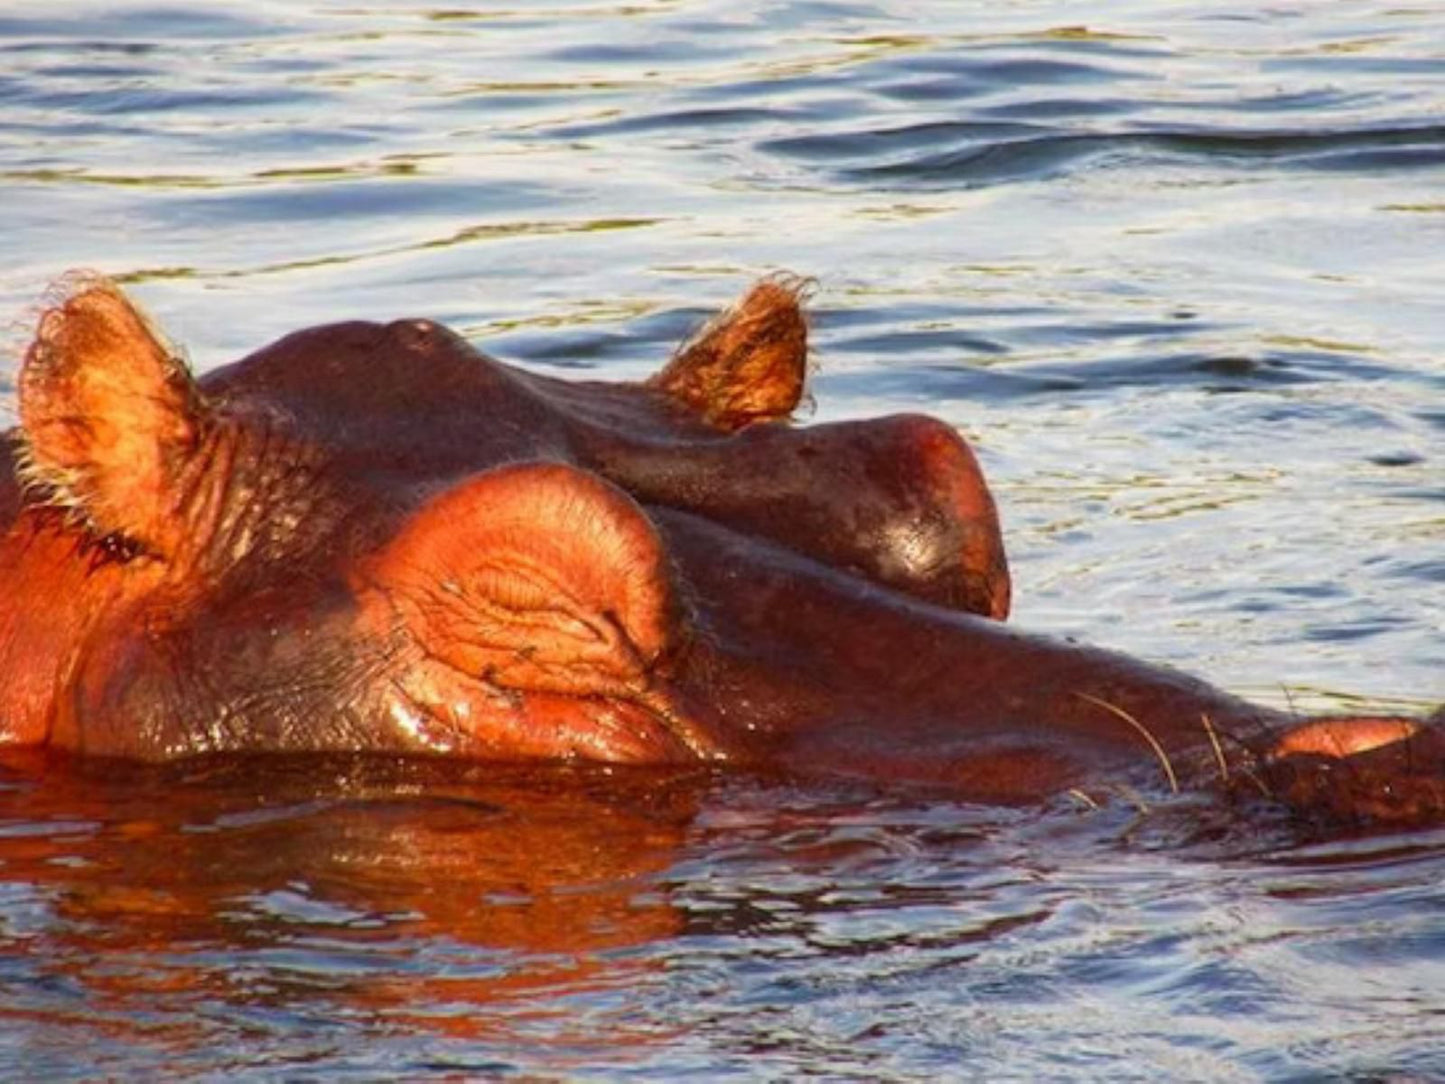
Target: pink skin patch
[{"x": 1344, "y": 737}]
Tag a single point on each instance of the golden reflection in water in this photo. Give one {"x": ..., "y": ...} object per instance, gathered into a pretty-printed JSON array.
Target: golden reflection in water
[
  {"x": 482, "y": 232},
  {"x": 270, "y": 884}
]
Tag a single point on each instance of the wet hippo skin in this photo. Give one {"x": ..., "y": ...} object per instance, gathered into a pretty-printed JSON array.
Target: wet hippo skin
[{"x": 371, "y": 537}]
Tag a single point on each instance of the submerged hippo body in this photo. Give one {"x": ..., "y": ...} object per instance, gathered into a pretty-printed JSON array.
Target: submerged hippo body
[{"x": 369, "y": 537}]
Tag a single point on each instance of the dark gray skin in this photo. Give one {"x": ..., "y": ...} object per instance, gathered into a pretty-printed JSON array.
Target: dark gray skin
[{"x": 370, "y": 537}]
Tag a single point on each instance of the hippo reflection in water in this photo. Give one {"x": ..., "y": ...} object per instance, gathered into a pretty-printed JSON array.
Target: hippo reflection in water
[{"x": 372, "y": 537}]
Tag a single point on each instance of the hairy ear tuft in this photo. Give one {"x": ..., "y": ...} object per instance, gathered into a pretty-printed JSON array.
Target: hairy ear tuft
[
  {"x": 109, "y": 412},
  {"x": 748, "y": 364}
]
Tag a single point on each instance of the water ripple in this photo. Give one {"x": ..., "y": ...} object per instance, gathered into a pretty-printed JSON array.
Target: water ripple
[{"x": 1037, "y": 157}]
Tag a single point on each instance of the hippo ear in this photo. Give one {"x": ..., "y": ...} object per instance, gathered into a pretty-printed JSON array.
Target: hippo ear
[
  {"x": 748, "y": 364},
  {"x": 535, "y": 577},
  {"x": 109, "y": 413}
]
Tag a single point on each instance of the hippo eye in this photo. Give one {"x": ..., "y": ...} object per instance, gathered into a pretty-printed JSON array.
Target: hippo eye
[
  {"x": 119, "y": 548},
  {"x": 93, "y": 546}
]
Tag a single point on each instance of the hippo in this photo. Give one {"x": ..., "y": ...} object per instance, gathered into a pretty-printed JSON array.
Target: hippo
[{"x": 375, "y": 538}]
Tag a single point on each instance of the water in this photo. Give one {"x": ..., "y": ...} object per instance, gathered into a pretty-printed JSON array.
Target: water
[{"x": 1175, "y": 269}]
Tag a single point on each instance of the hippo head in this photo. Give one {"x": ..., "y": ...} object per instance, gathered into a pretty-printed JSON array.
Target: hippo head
[{"x": 375, "y": 537}]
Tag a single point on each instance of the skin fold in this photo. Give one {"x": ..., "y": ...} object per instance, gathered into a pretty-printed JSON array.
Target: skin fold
[{"x": 371, "y": 537}]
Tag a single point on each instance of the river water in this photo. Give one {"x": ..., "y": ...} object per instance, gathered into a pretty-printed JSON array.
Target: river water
[{"x": 1177, "y": 271}]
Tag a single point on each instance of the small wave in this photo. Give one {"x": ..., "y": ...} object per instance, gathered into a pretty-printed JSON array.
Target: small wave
[
  {"x": 979, "y": 157},
  {"x": 683, "y": 119},
  {"x": 1001, "y": 380},
  {"x": 917, "y": 343},
  {"x": 878, "y": 141}
]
